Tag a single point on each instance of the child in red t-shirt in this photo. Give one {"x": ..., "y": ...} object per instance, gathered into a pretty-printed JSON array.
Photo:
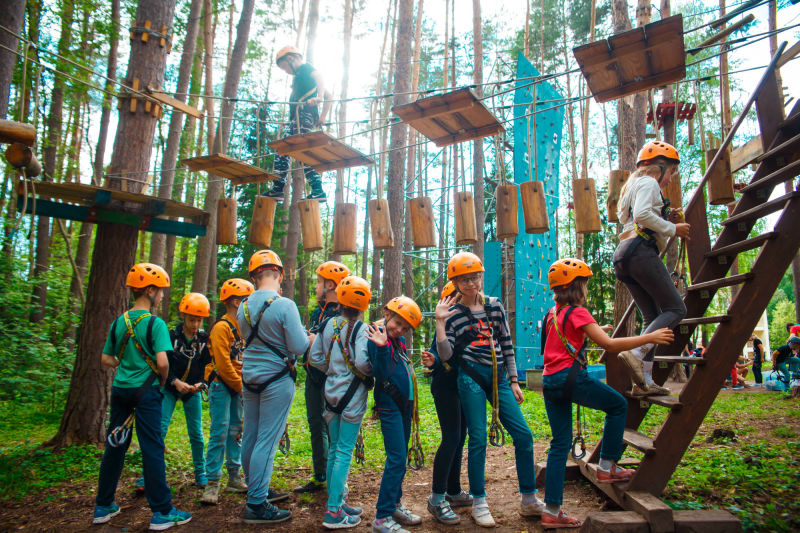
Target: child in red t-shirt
[{"x": 566, "y": 381}]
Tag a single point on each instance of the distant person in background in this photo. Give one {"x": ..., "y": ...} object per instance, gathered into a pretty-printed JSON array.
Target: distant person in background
[
  {"x": 793, "y": 329},
  {"x": 781, "y": 357},
  {"x": 758, "y": 358}
]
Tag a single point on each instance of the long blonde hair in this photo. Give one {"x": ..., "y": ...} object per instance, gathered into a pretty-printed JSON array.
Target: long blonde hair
[{"x": 654, "y": 170}]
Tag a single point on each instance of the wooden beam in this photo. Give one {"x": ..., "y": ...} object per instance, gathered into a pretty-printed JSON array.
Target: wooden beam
[
  {"x": 164, "y": 98},
  {"x": 657, "y": 513},
  {"x": 418, "y": 113},
  {"x": 722, "y": 34},
  {"x": 17, "y": 132},
  {"x": 746, "y": 154}
]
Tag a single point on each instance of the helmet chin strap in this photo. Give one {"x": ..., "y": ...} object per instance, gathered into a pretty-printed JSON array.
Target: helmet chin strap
[{"x": 663, "y": 171}]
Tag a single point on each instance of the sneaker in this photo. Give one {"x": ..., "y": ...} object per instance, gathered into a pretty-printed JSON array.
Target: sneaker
[
  {"x": 104, "y": 513},
  {"x": 236, "y": 484},
  {"x": 352, "y": 511},
  {"x": 211, "y": 494},
  {"x": 482, "y": 515},
  {"x": 276, "y": 191},
  {"x": 404, "y": 516},
  {"x": 443, "y": 513},
  {"x": 387, "y": 525},
  {"x": 264, "y": 513},
  {"x": 139, "y": 484},
  {"x": 311, "y": 486},
  {"x": 551, "y": 521},
  {"x": 639, "y": 392},
  {"x": 615, "y": 475},
  {"x": 340, "y": 520},
  {"x": 737, "y": 387},
  {"x": 275, "y": 496},
  {"x": 633, "y": 366},
  {"x": 201, "y": 480},
  {"x": 462, "y": 499},
  {"x": 657, "y": 390},
  {"x": 162, "y": 521},
  {"x": 532, "y": 508},
  {"x": 316, "y": 194}
]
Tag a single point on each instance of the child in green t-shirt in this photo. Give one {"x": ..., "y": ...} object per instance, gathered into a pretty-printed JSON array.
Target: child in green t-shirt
[{"x": 137, "y": 346}]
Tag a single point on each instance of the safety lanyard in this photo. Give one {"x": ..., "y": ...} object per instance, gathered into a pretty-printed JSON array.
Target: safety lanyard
[
  {"x": 194, "y": 349},
  {"x": 416, "y": 456},
  {"x": 349, "y": 358},
  {"x": 131, "y": 335}
]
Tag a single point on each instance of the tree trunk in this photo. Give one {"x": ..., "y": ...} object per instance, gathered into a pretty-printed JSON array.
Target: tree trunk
[
  {"x": 83, "y": 420},
  {"x": 15, "y": 13},
  {"x": 477, "y": 144},
  {"x": 313, "y": 19}
]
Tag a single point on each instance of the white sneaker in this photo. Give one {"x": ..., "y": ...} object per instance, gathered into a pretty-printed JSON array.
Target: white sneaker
[
  {"x": 403, "y": 516},
  {"x": 482, "y": 515},
  {"x": 533, "y": 508}
]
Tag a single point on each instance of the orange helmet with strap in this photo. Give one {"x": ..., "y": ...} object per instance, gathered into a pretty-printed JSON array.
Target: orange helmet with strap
[
  {"x": 463, "y": 263},
  {"x": 333, "y": 270},
  {"x": 143, "y": 275},
  {"x": 406, "y": 308},
  {"x": 654, "y": 149},
  {"x": 564, "y": 271},
  {"x": 264, "y": 258},
  {"x": 354, "y": 292},
  {"x": 195, "y": 304},
  {"x": 235, "y": 287},
  {"x": 285, "y": 51},
  {"x": 448, "y": 289}
]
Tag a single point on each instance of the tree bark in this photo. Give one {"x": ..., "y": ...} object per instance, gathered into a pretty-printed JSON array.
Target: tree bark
[
  {"x": 15, "y": 13},
  {"x": 477, "y": 144},
  {"x": 83, "y": 420}
]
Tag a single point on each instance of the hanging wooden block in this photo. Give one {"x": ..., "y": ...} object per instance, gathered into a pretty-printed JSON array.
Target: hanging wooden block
[
  {"x": 534, "y": 209},
  {"x": 506, "y": 207},
  {"x": 616, "y": 179},
  {"x": 382, "y": 235},
  {"x": 226, "y": 221},
  {"x": 466, "y": 232},
  {"x": 720, "y": 182},
  {"x": 423, "y": 229},
  {"x": 17, "y": 132},
  {"x": 263, "y": 221},
  {"x": 672, "y": 192},
  {"x": 310, "y": 225},
  {"x": 344, "y": 229},
  {"x": 587, "y": 215},
  {"x": 22, "y": 157}
]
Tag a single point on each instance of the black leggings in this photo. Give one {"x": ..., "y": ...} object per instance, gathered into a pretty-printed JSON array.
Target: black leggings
[{"x": 447, "y": 462}]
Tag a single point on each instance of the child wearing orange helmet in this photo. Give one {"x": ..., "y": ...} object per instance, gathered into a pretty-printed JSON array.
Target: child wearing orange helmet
[
  {"x": 565, "y": 381},
  {"x": 224, "y": 378},
  {"x": 395, "y": 389},
  {"x": 137, "y": 346},
  {"x": 340, "y": 352},
  {"x": 647, "y": 224}
]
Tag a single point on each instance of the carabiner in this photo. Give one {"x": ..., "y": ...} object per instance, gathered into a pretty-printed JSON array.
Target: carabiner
[
  {"x": 495, "y": 431},
  {"x": 416, "y": 458},
  {"x": 285, "y": 444},
  {"x": 578, "y": 440},
  {"x": 204, "y": 392}
]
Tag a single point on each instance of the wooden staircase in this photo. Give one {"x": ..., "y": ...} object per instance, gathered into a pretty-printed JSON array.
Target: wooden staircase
[{"x": 709, "y": 266}]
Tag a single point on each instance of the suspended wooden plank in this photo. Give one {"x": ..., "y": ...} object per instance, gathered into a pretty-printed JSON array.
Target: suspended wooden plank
[
  {"x": 22, "y": 158},
  {"x": 450, "y": 118},
  {"x": 321, "y": 151},
  {"x": 164, "y": 98},
  {"x": 634, "y": 60},
  {"x": 227, "y": 167}
]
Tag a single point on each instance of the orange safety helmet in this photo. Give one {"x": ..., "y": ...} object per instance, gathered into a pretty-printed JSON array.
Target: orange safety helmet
[
  {"x": 448, "y": 289},
  {"x": 195, "y": 304},
  {"x": 143, "y": 275},
  {"x": 235, "y": 287},
  {"x": 654, "y": 149},
  {"x": 464, "y": 263},
  {"x": 333, "y": 270},
  {"x": 354, "y": 292},
  {"x": 264, "y": 258},
  {"x": 564, "y": 271},
  {"x": 285, "y": 51},
  {"x": 407, "y": 309}
]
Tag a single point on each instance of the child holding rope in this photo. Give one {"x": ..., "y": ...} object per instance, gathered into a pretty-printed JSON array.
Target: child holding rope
[
  {"x": 565, "y": 381},
  {"x": 395, "y": 399},
  {"x": 648, "y": 223},
  {"x": 340, "y": 351},
  {"x": 275, "y": 336},
  {"x": 446, "y": 485},
  {"x": 137, "y": 346},
  {"x": 474, "y": 335}
]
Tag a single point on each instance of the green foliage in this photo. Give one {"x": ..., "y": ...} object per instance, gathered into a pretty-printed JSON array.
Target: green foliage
[{"x": 781, "y": 315}]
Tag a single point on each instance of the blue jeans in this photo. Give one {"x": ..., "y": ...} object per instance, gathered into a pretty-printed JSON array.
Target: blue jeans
[
  {"x": 396, "y": 430},
  {"x": 343, "y": 437},
  {"x": 473, "y": 403},
  {"x": 193, "y": 411},
  {"x": 225, "y": 435},
  {"x": 591, "y": 393},
  {"x": 265, "y": 416},
  {"x": 148, "y": 431}
]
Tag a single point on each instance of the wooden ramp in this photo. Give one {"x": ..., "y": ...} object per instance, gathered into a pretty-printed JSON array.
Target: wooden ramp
[
  {"x": 225, "y": 166},
  {"x": 450, "y": 118},
  {"x": 321, "y": 151},
  {"x": 634, "y": 60}
]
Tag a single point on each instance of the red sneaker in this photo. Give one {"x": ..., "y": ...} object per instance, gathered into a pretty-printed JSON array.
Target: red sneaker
[
  {"x": 615, "y": 475},
  {"x": 550, "y": 521}
]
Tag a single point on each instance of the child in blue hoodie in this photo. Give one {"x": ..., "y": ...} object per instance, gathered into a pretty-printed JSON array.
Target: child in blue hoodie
[{"x": 395, "y": 385}]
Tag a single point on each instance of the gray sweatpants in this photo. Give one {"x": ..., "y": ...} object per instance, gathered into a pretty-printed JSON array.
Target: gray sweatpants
[{"x": 651, "y": 287}]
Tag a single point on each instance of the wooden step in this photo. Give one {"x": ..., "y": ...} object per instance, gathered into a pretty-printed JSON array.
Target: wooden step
[
  {"x": 779, "y": 176},
  {"x": 742, "y": 246},
  {"x": 713, "y": 319},
  {"x": 679, "y": 359},
  {"x": 790, "y": 124},
  {"x": 761, "y": 210},
  {"x": 671, "y": 402},
  {"x": 781, "y": 148},
  {"x": 641, "y": 442},
  {"x": 722, "y": 282}
]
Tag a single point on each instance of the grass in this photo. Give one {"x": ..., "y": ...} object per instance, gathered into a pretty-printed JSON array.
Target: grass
[{"x": 754, "y": 477}]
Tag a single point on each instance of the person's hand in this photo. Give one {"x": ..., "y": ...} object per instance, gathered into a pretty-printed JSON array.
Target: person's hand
[
  {"x": 682, "y": 230},
  {"x": 181, "y": 387},
  {"x": 661, "y": 336},
  {"x": 427, "y": 358},
  {"x": 377, "y": 335},
  {"x": 517, "y": 392},
  {"x": 311, "y": 338},
  {"x": 313, "y": 101},
  {"x": 443, "y": 311},
  {"x": 676, "y": 216},
  {"x": 607, "y": 328}
]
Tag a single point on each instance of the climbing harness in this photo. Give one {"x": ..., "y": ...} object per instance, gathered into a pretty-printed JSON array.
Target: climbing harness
[
  {"x": 236, "y": 355},
  {"x": 679, "y": 273},
  {"x": 578, "y": 355},
  {"x": 578, "y": 449},
  {"x": 285, "y": 444},
  {"x": 416, "y": 456},
  {"x": 287, "y": 358},
  {"x": 497, "y": 436},
  {"x": 358, "y": 377},
  {"x": 358, "y": 451}
]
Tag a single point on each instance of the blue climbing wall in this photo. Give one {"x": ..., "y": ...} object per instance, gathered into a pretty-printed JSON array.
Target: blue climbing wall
[{"x": 533, "y": 254}]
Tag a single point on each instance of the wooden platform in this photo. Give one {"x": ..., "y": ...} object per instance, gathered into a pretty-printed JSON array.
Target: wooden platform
[
  {"x": 225, "y": 166},
  {"x": 635, "y": 60},
  {"x": 75, "y": 201},
  {"x": 685, "y": 111},
  {"x": 321, "y": 151},
  {"x": 450, "y": 118}
]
